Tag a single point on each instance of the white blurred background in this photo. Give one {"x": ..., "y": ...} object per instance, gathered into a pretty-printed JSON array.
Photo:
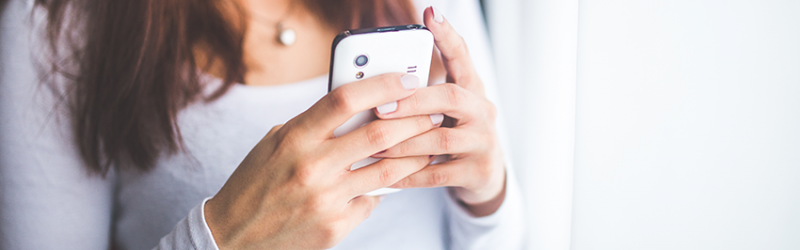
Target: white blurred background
[{"x": 653, "y": 124}]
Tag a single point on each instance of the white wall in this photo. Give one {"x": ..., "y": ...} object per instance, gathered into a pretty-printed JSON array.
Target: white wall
[
  {"x": 535, "y": 55},
  {"x": 687, "y": 120},
  {"x": 688, "y": 125}
]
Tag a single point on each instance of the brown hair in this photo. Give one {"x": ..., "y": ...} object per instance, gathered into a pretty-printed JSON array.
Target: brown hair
[{"x": 131, "y": 68}]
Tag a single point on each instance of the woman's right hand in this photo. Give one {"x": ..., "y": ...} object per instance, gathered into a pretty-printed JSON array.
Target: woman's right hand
[{"x": 295, "y": 190}]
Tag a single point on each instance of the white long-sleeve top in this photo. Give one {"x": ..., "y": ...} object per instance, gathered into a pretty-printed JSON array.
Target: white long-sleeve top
[{"x": 49, "y": 200}]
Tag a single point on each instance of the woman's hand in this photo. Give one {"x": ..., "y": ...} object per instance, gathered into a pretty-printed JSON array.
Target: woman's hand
[
  {"x": 295, "y": 190},
  {"x": 476, "y": 169}
]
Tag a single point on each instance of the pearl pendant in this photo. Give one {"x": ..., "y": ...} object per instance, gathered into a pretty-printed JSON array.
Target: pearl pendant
[{"x": 286, "y": 35}]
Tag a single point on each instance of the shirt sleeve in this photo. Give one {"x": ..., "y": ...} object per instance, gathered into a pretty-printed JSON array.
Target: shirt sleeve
[
  {"x": 505, "y": 228},
  {"x": 191, "y": 233},
  {"x": 501, "y": 230}
]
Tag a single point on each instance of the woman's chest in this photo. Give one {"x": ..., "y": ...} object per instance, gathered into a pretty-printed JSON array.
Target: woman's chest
[{"x": 217, "y": 138}]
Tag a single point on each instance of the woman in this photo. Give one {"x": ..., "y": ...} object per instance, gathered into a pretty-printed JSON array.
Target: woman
[{"x": 160, "y": 135}]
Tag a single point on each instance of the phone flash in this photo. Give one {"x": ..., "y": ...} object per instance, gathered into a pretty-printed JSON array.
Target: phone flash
[{"x": 359, "y": 75}]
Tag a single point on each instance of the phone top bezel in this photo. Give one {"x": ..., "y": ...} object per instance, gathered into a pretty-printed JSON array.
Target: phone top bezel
[{"x": 347, "y": 33}]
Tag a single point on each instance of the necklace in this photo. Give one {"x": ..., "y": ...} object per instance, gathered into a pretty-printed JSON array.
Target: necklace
[{"x": 284, "y": 35}]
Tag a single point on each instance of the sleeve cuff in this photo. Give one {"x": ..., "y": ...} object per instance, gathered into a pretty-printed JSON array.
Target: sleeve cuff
[
  {"x": 190, "y": 233},
  {"x": 458, "y": 212},
  {"x": 501, "y": 230},
  {"x": 201, "y": 233}
]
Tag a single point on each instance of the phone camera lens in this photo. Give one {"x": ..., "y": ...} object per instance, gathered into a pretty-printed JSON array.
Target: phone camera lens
[{"x": 361, "y": 60}]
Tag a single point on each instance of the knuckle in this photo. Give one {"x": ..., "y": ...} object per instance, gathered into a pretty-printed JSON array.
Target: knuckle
[
  {"x": 412, "y": 102},
  {"x": 448, "y": 140},
  {"x": 306, "y": 163},
  {"x": 454, "y": 95},
  {"x": 288, "y": 139},
  {"x": 458, "y": 47},
  {"x": 367, "y": 212},
  {"x": 342, "y": 99},
  {"x": 423, "y": 122},
  {"x": 328, "y": 235},
  {"x": 388, "y": 80},
  {"x": 304, "y": 177},
  {"x": 305, "y": 172},
  {"x": 388, "y": 175},
  {"x": 436, "y": 179},
  {"x": 275, "y": 129},
  {"x": 401, "y": 149},
  {"x": 461, "y": 46},
  {"x": 277, "y": 134},
  {"x": 377, "y": 136}
]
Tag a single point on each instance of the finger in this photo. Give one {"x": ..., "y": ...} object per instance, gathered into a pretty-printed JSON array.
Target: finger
[
  {"x": 438, "y": 141},
  {"x": 343, "y": 102},
  {"x": 447, "y": 174},
  {"x": 361, "y": 207},
  {"x": 454, "y": 50},
  {"x": 449, "y": 99},
  {"x": 376, "y": 136},
  {"x": 384, "y": 173}
]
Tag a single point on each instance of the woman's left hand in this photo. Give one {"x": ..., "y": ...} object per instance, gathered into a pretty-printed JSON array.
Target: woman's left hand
[{"x": 476, "y": 169}]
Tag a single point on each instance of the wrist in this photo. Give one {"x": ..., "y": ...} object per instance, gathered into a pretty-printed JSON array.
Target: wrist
[{"x": 478, "y": 204}]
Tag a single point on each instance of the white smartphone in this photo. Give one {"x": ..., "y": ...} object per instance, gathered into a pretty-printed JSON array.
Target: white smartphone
[{"x": 363, "y": 53}]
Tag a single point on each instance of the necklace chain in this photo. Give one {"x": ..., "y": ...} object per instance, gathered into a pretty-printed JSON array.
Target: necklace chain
[{"x": 284, "y": 35}]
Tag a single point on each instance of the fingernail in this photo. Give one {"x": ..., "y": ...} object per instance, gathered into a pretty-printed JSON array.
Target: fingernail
[
  {"x": 436, "y": 118},
  {"x": 437, "y": 16},
  {"x": 387, "y": 108},
  {"x": 409, "y": 81}
]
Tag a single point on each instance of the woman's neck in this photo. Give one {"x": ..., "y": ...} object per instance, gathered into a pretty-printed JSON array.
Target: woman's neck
[{"x": 268, "y": 62}]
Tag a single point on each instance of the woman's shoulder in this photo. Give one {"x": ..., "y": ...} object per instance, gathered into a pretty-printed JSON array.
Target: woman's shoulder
[
  {"x": 41, "y": 178},
  {"x": 37, "y": 136}
]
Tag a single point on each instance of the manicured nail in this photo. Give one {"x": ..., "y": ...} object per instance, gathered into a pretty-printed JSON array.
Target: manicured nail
[
  {"x": 409, "y": 81},
  {"x": 437, "y": 15},
  {"x": 437, "y": 118},
  {"x": 387, "y": 108}
]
